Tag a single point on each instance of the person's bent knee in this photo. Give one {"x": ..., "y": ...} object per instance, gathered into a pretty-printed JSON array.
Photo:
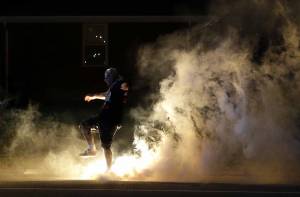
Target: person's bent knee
[
  {"x": 84, "y": 128},
  {"x": 106, "y": 146}
]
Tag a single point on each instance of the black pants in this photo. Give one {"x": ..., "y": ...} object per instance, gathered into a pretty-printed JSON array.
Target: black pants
[{"x": 107, "y": 130}]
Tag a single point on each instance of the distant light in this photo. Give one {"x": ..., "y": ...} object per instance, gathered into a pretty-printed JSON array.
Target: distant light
[
  {"x": 99, "y": 54},
  {"x": 104, "y": 41},
  {"x": 100, "y": 36},
  {"x": 96, "y": 36},
  {"x": 85, "y": 62}
]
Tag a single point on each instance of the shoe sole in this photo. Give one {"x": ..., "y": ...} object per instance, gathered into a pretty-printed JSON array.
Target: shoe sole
[{"x": 87, "y": 156}]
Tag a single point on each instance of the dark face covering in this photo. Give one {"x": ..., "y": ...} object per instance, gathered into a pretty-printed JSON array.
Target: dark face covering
[{"x": 110, "y": 76}]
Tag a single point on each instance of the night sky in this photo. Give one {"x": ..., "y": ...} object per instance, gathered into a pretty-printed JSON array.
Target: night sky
[{"x": 102, "y": 8}]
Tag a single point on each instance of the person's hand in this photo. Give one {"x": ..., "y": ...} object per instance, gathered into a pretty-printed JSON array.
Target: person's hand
[
  {"x": 88, "y": 98},
  {"x": 124, "y": 86}
]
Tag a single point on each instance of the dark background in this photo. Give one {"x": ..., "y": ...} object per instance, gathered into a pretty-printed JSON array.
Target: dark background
[
  {"x": 104, "y": 8},
  {"x": 45, "y": 58}
]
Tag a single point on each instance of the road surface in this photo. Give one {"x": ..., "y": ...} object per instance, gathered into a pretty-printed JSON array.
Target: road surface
[{"x": 141, "y": 189}]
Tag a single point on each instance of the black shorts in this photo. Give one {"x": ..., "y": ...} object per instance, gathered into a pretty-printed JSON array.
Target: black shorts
[{"x": 106, "y": 130}]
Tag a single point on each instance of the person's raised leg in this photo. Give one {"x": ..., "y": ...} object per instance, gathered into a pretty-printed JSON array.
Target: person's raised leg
[
  {"x": 89, "y": 138},
  {"x": 86, "y": 131}
]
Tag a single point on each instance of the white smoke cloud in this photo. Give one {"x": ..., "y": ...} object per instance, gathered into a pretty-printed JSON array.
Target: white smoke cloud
[
  {"x": 40, "y": 147},
  {"x": 227, "y": 114}
]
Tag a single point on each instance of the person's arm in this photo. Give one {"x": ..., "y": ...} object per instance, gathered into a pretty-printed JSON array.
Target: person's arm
[
  {"x": 124, "y": 86},
  {"x": 100, "y": 96}
]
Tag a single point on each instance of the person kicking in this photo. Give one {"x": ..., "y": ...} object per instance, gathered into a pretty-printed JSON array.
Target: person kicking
[{"x": 109, "y": 117}]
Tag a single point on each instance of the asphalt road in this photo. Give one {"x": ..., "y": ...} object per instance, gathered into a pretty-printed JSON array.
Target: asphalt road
[{"x": 143, "y": 189}]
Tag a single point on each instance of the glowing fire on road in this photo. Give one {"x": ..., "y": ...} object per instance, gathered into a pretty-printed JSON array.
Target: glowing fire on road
[{"x": 124, "y": 167}]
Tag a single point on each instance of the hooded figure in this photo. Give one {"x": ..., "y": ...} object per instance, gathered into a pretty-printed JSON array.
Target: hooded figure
[
  {"x": 109, "y": 117},
  {"x": 110, "y": 75}
]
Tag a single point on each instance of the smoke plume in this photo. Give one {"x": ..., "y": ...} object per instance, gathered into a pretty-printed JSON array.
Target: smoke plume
[
  {"x": 225, "y": 98},
  {"x": 39, "y": 147}
]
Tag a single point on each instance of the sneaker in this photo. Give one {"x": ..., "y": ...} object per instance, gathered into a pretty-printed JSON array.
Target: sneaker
[{"x": 88, "y": 153}]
